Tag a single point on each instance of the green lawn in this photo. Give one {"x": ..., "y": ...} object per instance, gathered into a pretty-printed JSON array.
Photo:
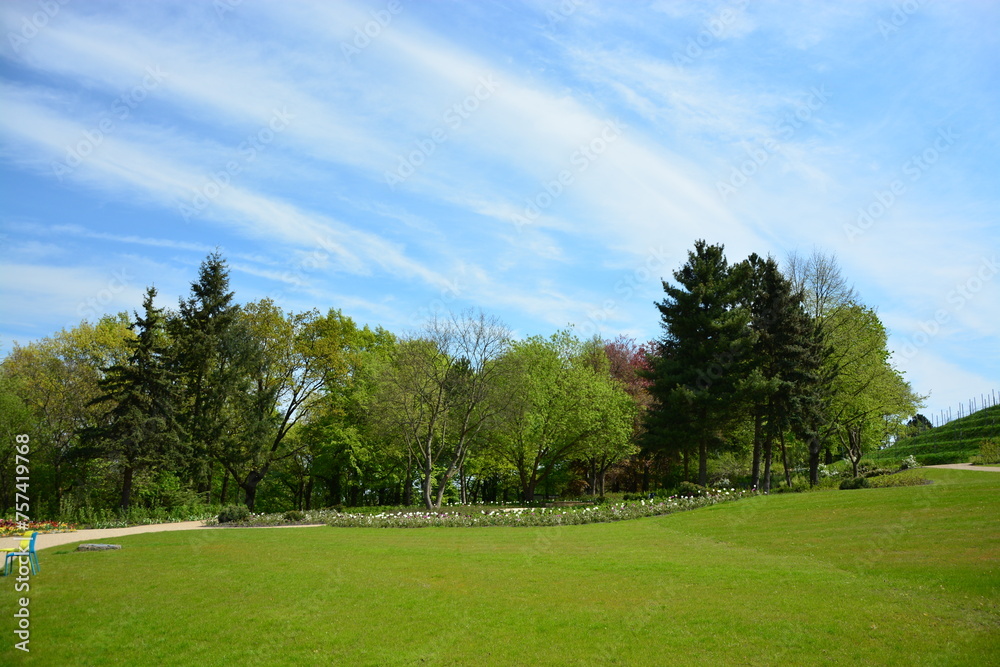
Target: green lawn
[{"x": 874, "y": 576}]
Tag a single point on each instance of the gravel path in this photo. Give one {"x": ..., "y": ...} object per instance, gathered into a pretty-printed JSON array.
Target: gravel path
[
  {"x": 45, "y": 541},
  {"x": 966, "y": 466}
]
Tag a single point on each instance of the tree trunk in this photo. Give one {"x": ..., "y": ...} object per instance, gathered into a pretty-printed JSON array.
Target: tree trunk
[
  {"x": 814, "y": 448},
  {"x": 758, "y": 423},
  {"x": 687, "y": 466},
  {"x": 784, "y": 459},
  {"x": 427, "y": 482},
  {"x": 768, "y": 455},
  {"x": 408, "y": 480},
  {"x": 249, "y": 487},
  {"x": 127, "y": 487},
  {"x": 336, "y": 489},
  {"x": 529, "y": 488},
  {"x": 208, "y": 483},
  {"x": 308, "y": 493},
  {"x": 463, "y": 497},
  {"x": 853, "y": 445},
  {"x": 703, "y": 461},
  {"x": 225, "y": 487},
  {"x": 439, "y": 496}
]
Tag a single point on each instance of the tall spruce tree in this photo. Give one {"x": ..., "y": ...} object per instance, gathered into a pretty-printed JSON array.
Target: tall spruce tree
[
  {"x": 140, "y": 430},
  {"x": 787, "y": 363},
  {"x": 203, "y": 352},
  {"x": 704, "y": 353}
]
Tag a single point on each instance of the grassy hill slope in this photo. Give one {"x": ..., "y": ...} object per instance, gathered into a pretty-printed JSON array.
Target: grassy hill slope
[{"x": 954, "y": 442}]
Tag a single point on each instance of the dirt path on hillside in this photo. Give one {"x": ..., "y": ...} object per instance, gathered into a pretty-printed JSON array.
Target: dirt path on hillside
[
  {"x": 45, "y": 541},
  {"x": 966, "y": 466}
]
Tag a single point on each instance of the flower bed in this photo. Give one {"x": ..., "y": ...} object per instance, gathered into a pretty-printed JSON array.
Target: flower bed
[
  {"x": 12, "y": 529},
  {"x": 533, "y": 516}
]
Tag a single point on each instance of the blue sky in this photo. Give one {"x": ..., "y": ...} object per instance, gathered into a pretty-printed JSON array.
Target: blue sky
[{"x": 545, "y": 161}]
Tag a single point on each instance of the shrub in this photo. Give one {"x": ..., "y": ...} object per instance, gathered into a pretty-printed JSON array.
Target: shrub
[
  {"x": 642, "y": 496},
  {"x": 908, "y": 462},
  {"x": 989, "y": 453},
  {"x": 941, "y": 458},
  {"x": 798, "y": 486},
  {"x": 855, "y": 483},
  {"x": 691, "y": 489},
  {"x": 294, "y": 516},
  {"x": 234, "y": 514},
  {"x": 909, "y": 478}
]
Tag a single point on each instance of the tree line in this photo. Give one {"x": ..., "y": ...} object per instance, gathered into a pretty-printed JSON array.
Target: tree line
[
  {"x": 218, "y": 402},
  {"x": 755, "y": 358}
]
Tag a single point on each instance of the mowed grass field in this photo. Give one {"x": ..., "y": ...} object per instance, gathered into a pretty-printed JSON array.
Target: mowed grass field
[{"x": 903, "y": 576}]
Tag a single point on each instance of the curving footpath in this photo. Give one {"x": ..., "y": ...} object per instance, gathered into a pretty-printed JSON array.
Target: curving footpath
[
  {"x": 966, "y": 466},
  {"x": 46, "y": 540}
]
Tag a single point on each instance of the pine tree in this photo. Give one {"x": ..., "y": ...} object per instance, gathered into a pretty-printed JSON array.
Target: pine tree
[
  {"x": 140, "y": 429},
  {"x": 703, "y": 356},
  {"x": 787, "y": 362},
  {"x": 203, "y": 353}
]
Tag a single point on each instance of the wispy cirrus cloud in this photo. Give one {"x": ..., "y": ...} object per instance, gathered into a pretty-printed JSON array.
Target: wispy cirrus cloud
[{"x": 516, "y": 194}]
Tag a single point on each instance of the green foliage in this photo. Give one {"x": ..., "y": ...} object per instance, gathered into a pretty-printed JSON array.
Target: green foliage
[
  {"x": 234, "y": 514},
  {"x": 942, "y": 458},
  {"x": 907, "y": 478},
  {"x": 955, "y": 442},
  {"x": 563, "y": 404},
  {"x": 56, "y": 379},
  {"x": 855, "y": 483},
  {"x": 917, "y": 425},
  {"x": 703, "y": 356},
  {"x": 138, "y": 428},
  {"x": 88, "y": 516},
  {"x": 294, "y": 516},
  {"x": 691, "y": 489},
  {"x": 785, "y": 385},
  {"x": 875, "y": 472},
  {"x": 989, "y": 452},
  {"x": 281, "y": 409},
  {"x": 870, "y": 395},
  {"x": 164, "y": 490}
]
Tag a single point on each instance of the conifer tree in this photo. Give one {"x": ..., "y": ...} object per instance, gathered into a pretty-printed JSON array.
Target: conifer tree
[
  {"x": 704, "y": 353},
  {"x": 204, "y": 354},
  {"x": 787, "y": 362},
  {"x": 140, "y": 429}
]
